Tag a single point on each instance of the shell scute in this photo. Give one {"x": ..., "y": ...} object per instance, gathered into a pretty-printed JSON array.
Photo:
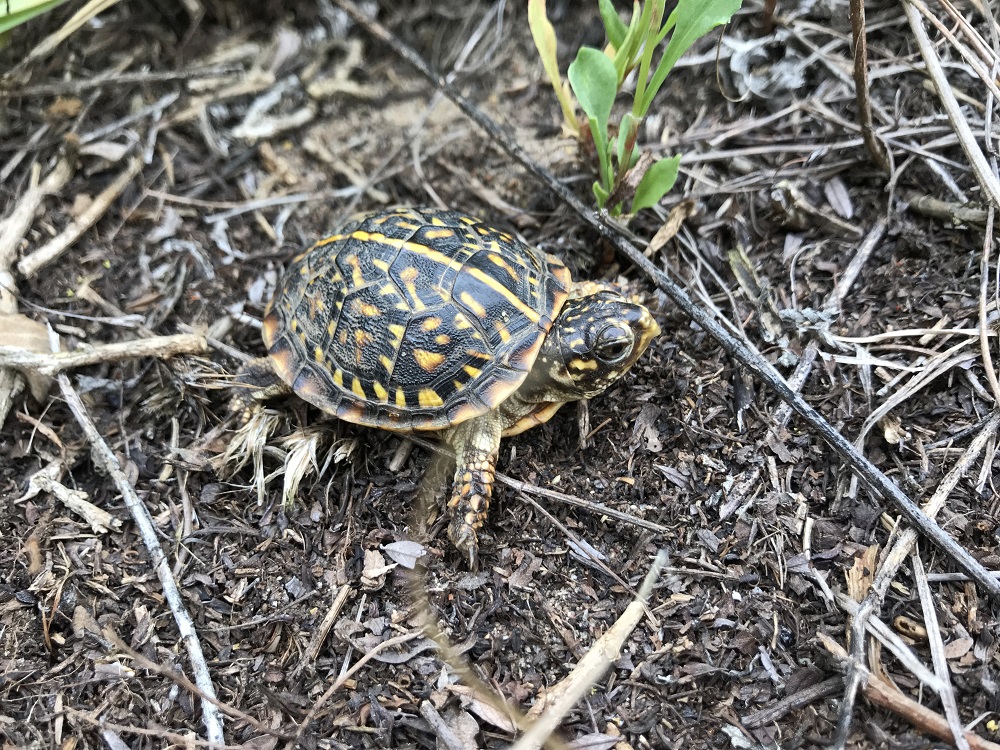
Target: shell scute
[{"x": 412, "y": 319}]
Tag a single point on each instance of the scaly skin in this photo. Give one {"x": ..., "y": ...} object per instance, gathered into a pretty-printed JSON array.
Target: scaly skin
[{"x": 476, "y": 444}]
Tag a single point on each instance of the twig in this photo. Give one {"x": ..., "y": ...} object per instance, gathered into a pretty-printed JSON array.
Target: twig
[
  {"x": 308, "y": 657},
  {"x": 738, "y": 349},
  {"x": 750, "y": 480},
  {"x": 51, "y": 364},
  {"x": 985, "y": 329},
  {"x": 888, "y": 697},
  {"x": 561, "y": 698},
  {"x": 55, "y": 247},
  {"x": 339, "y": 682},
  {"x": 987, "y": 180},
  {"x": 938, "y": 659},
  {"x": 102, "y": 453},
  {"x": 116, "y": 79},
  {"x": 441, "y": 729},
  {"x": 876, "y": 148},
  {"x": 12, "y": 231}
]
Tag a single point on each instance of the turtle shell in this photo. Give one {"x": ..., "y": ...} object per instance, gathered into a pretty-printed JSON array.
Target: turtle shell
[{"x": 412, "y": 319}]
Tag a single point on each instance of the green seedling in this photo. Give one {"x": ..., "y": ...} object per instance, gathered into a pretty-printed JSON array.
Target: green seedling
[
  {"x": 15, "y": 12},
  {"x": 596, "y": 77}
]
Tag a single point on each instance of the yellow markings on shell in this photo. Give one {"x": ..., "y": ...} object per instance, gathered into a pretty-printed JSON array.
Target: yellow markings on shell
[
  {"x": 325, "y": 241},
  {"x": 400, "y": 398},
  {"x": 436, "y": 221},
  {"x": 439, "y": 234},
  {"x": 397, "y": 331},
  {"x": 357, "y": 277},
  {"x": 331, "y": 328},
  {"x": 472, "y": 372},
  {"x": 461, "y": 322},
  {"x": 468, "y": 220},
  {"x": 473, "y": 304},
  {"x": 429, "y": 398},
  {"x": 501, "y": 262},
  {"x": 270, "y": 329},
  {"x": 428, "y": 361},
  {"x": 294, "y": 325},
  {"x": 318, "y": 354},
  {"x": 338, "y": 378},
  {"x": 386, "y": 362},
  {"x": 515, "y": 301},
  {"x": 342, "y": 337},
  {"x": 380, "y": 265},
  {"x": 357, "y": 389},
  {"x": 409, "y": 276},
  {"x": 502, "y": 331},
  {"x": 576, "y": 344},
  {"x": 429, "y": 324},
  {"x": 366, "y": 308},
  {"x": 408, "y": 225},
  {"x": 443, "y": 339},
  {"x": 458, "y": 386},
  {"x": 380, "y": 392}
]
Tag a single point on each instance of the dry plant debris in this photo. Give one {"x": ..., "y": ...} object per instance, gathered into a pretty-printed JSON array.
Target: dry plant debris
[{"x": 156, "y": 172}]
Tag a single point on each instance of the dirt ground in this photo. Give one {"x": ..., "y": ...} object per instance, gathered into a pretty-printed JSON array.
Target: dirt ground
[{"x": 255, "y": 134}]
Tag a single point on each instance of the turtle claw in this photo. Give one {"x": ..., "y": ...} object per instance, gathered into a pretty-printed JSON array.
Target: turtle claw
[{"x": 463, "y": 536}]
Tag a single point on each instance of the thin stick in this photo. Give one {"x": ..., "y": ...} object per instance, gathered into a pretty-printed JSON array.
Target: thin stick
[
  {"x": 890, "y": 698},
  {"x": 876, "y": 149},
  {"x": 52, "y": 364},
  {"x": 987, "y": 180},
  {"x": 938, "y": 658},
  {"x": 102, "y": 453},
  {"x": 55, "y": 247},
  {"x": 563, "y": 696},
  {"x": 738, "y": 349}
]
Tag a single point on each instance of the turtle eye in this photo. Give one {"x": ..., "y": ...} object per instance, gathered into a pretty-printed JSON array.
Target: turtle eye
[{"x": 613, "y": 344}]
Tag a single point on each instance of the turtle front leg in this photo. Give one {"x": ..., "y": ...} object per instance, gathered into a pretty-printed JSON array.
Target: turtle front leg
[
  {"x": 255, "y": 382},
  {"x": 476, "y": 444}
]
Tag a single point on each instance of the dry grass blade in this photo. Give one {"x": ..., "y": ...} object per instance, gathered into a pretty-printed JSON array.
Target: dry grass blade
[
  {"x": 945, "y": 691},
  {"x": 984, "y": 174},
  {"x": 47, "y": 45},
  {"x": 560, "y": 699},
  {"x": 889, "y": 698},
  {"x": 875, "y": 147}
]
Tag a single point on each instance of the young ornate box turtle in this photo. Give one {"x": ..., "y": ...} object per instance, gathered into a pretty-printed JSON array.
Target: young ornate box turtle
[{"x": 418, "y": 319}]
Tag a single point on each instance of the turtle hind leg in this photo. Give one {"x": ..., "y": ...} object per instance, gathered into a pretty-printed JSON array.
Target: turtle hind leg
[
  {"x": 256, "y": 381},
  {"x": 476, "y": 444}
]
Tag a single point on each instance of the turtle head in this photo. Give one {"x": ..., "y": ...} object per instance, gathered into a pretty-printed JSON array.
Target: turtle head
[{"x": 592, "y": 343}]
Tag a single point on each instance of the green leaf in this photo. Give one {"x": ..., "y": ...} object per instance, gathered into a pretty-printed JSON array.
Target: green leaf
[
  {"x": 595, "y": 83},
  {"x": 659, "y": 178},
  {"x": 637, "y": 28},
  {"x": 691, "y": 20},
  {"x": 18, "y": 13},
  {"x": 545, "y": 41},
  {"x": 613, "y": 25},
  {"x": 627, "y": 130},
  {"x": 600, "y": 194}
]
